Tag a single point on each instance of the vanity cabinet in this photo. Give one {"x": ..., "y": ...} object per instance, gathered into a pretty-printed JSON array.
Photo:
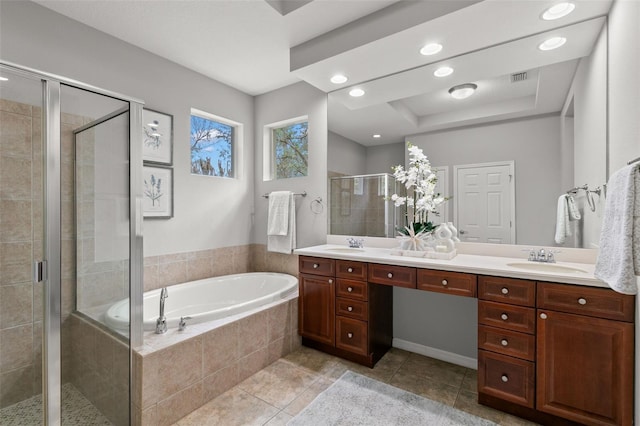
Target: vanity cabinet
[
  {"x": 585, "y": 354},
  {"x": 316, "y": 304},
  {"x": 506, "y": 340},
  {"x": 341, "y": 313}
]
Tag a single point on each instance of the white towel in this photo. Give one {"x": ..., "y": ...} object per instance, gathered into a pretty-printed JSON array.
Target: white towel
[
  {"x": 284, "y": 243},
  {"x": 619, "y": 254},
  {"x": 563, "y": 229},
  {"x": 574, "y": 213},
  {"x": 278, "y": 219}
]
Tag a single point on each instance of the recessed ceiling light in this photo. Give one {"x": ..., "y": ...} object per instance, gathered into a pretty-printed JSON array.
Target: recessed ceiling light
[
  {"x": 4, "y": 79},
  {"x": 558, "y": 11},
  {"x": 443, "y": 71},
  {"x": 339, "y": 79},
  {"x": 376, "y": 136},
  {"x": 356, "y": 93},
  {"x": 463, "y": 91},
  {"x": 431, "y": 49},
  {"x": 552, "y": 43}
]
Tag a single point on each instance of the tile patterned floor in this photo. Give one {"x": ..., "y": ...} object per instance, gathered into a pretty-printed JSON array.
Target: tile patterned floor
[
  {"x": 76, "y": 411},
  {"x": 274, "y": 395}
]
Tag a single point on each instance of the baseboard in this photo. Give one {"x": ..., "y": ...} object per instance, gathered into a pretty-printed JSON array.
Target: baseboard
[{"x": 435, "y": 353}]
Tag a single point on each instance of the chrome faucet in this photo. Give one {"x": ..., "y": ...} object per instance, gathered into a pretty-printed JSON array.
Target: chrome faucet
[
  {"x": 355, "y": 242},
  {"x": 545, "y": 256},
  {"x": 161, "y": 322},
  {"x": 182, "y": 325}
]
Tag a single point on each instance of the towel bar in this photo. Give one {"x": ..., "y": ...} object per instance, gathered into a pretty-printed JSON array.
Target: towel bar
[{"x": 302, "y": 194}]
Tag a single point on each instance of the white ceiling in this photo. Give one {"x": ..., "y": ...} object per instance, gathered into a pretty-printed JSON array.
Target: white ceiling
[
  {"x": 260, "y": 45},
  {"x": 242, "y": 43}
]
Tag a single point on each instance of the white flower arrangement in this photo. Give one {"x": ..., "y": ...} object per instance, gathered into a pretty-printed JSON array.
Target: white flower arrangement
[{"x": 420, "y": 181}]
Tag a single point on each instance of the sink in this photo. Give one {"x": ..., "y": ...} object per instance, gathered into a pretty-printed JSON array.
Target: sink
[
  {"x": 345, "y": 250},
  {"x": 546, "y": 267}
]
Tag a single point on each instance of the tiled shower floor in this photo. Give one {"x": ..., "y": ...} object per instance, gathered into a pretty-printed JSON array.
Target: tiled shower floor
[{"x": 76, "y": 411}]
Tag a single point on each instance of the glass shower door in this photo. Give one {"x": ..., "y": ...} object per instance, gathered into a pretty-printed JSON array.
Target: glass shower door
[
  {"x": 21, "y": 242},
  {"x": 95, "y": 256}
]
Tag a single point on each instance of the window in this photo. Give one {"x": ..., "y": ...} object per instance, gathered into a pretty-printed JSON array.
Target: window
[
  {"x": 290, "y": 150},
  {"x": 213, "y": 141}
]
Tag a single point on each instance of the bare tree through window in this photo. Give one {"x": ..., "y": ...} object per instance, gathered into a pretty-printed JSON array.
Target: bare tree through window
[
  {"x": 211, "y": 147},
  {"x": 291, "y": 150}
]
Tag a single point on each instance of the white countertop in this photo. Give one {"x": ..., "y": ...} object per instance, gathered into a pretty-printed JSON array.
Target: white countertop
[{"x": 470, "y": 263}]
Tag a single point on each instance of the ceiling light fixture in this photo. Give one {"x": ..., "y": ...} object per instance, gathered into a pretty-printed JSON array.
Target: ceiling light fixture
[
  {"x": 356, "y": 93},
  {"x": 339, "y": 79},
  {"x": 443, "y": 71},
  {"x": 431, "y": 49},
  {"x": 558, "y": 11},
  {"x": 463, "y": 91},
  {"x": 4, "y": 79},
  {"x": 552, "y": 43},
  {"x": 376, "y": 136}
]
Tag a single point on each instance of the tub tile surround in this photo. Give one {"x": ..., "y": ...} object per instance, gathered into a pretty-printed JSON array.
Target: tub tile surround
[{"x": 180, "y": 371}]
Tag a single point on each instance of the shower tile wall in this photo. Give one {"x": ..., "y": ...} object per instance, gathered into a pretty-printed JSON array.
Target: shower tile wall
[{"x": 20, "y": 241}]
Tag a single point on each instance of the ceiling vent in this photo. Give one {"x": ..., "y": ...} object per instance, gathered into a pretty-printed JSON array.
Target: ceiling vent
[{"x": 519, "y": 76}]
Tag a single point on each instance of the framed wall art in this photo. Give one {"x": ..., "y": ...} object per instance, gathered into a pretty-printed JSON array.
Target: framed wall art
[
  {"x": 157, "y": 137},
  {"x": 157, "y": 192}
]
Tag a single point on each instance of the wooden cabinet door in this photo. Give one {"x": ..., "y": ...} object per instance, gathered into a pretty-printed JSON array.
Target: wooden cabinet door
[
  {"x": 317, "y": 308},
  {"x": 585, "y": 368}
]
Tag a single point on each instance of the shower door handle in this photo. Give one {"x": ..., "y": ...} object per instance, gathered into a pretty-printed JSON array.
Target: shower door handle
[{"x": 39, "y": 271}]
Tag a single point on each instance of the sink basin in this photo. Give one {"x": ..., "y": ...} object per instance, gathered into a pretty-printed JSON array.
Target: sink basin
[
  {"x": 345, "y": 250},
  {"x": 546, "y": 267}
]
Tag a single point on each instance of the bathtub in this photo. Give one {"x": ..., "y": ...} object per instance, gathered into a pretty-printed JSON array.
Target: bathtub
[{"x": 208, "y": 299}]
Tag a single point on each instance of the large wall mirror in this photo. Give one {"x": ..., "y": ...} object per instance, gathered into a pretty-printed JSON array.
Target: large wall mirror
[{"x": 535, "y": 129}]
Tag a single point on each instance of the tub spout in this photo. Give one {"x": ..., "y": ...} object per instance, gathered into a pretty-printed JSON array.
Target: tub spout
[{"x": 161, "y": 322}]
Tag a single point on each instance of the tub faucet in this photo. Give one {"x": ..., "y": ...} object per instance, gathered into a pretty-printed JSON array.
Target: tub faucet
[{"x": 161, "y": 322}]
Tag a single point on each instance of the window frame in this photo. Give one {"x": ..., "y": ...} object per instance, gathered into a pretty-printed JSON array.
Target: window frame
[
  {"x": 237, "y": 134},
  {"x": 270, "y": 165}
]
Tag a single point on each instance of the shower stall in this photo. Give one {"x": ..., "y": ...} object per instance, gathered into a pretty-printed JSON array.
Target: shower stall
[
  {"x": 70, "y": 245},
  {"x": 361, "y": 205}
]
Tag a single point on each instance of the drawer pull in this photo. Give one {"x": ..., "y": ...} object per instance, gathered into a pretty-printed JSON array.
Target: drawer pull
[
  {"x": 445, "y": 282},
  {"x": 504, "y": 317},
  {"x": 316, "y": 266},
  {"x": 505, "y": 378},
  {"x": 543, "y": 315},
  {"x": 349, "y": 269},
  {"x": 350, "y": 335},
  {"x": 389, "y": 275},
  {"x": 582, "y": 301},
  {"x": 349, "y": 289},
  {"x": 349, "y": 308},
  {"x": 505, "y": 290},
  {"x": 330, "y": 281},
  {"x": 504, "y": 342}
]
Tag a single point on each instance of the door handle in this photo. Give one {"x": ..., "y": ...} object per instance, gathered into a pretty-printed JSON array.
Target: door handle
[{"x": 462, "y": 232}]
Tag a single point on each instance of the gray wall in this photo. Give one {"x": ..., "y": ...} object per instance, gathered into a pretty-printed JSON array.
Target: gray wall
[
  {"x": 534, "y": 145},
  {"x": 345, "y": 157},
  {"x": 34, "y": 36},
  {"x": 590, "y": 136},
  {"x": 294, "y": 101},
  {"x": 381, "y": 158},
  {"x": 439, "y": 321}
]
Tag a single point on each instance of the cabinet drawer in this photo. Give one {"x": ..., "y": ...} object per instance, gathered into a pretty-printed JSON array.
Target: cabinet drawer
[
  {"x": 352, "y": 308},
  {"x": 505, "y": 377},
  {"x": 316, "y": 266},
  {"x": 507, "y": 290},
  {"x": 400, "y": 276},
  {"x": 351, "y": 335},
  {"x": 512, "y": 317},
  {"x": 351, "y": 270},
  {"x": 351, "y": 289},
  {"x": 595, "y": 302},
  {"x": 507, "y": 342},
  {"x": 456, "y": 283}
]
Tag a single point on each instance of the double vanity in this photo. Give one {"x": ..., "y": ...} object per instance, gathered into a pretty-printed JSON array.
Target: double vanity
[{"x": 555, "y": 345}]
